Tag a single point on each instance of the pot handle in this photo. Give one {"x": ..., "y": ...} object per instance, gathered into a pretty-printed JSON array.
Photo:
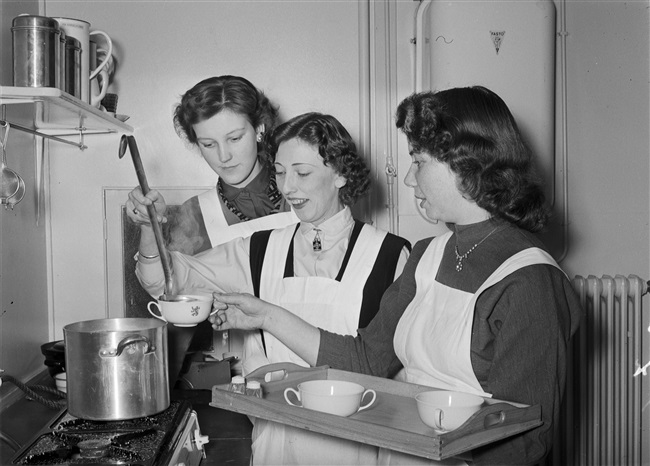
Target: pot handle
[{"x": 130, "y": 340}]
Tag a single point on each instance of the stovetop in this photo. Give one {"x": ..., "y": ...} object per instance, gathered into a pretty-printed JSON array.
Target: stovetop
[{"x": 146, "y": 441}]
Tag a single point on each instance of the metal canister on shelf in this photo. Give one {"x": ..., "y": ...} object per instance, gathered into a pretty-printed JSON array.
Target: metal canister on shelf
[
  {"x": 36, "y": 51},
  {"x": 62, "y": 60},
  {"x": 72, "y": 67}
]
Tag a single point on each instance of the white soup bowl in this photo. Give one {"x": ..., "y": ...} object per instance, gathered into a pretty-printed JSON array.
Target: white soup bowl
[
  {"x": 446, "y": 410},
  {"x": 337, "y": 397}
]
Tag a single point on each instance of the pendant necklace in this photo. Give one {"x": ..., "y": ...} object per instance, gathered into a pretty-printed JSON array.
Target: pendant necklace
[
  {"x": 316, "y": 244},
  {"x": 460, "y": 258}
]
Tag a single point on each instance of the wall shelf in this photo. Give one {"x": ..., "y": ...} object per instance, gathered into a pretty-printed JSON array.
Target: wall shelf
[{"x": 57, "y": 113}]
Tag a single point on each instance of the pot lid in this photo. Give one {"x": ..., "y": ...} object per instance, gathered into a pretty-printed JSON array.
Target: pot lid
[{"x": 53, "y": 348}]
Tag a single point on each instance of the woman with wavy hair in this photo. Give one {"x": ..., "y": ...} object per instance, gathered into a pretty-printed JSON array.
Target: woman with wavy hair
[
  {"x": 225, "y": 117},
  {"x": 483, "y": 308}
]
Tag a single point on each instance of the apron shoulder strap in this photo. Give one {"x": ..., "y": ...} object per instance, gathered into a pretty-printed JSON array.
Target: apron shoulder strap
[
  {"x": 212, "y": 208},
  {"x": 381, "y": 276},
  {"x": 258, "y": 243},
  {"x": 288, "y": 265},
  {"x": 525, "y": 257},
  {"x": 358, "y": 225}
]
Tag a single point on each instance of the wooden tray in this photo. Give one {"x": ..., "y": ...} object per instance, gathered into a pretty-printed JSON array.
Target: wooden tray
[{"x": 392, "y": 422}]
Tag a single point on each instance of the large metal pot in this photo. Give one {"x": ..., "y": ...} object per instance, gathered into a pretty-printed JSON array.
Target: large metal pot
[{"x": 116, "y": 368}]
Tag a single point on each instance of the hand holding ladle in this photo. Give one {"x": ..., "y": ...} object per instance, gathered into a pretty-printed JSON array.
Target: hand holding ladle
[{"x": 129, "y": 141}]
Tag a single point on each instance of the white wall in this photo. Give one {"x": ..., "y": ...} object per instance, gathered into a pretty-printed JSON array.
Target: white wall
[
  {"x": 608, "y": 137},
  {"x": 608, "y": 95}
]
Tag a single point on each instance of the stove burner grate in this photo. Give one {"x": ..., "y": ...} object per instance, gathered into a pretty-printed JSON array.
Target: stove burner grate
[
  {"x": 135, "y": 442},
  {"x": 93, "y": 448}
]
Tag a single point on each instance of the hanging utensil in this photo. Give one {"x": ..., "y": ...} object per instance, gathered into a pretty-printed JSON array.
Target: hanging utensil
[
  {"x": 129, "y": 141},
  {"x": 16, "y": 198},
  {"x": 9, "y": 180}
]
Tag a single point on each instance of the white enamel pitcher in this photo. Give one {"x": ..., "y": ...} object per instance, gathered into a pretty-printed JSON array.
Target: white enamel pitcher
[
  {"x": 99, "y": 83},
  {"x": 80, "y": 30}
]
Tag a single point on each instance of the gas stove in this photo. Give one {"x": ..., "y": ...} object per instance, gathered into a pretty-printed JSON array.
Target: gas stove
[{"x": 170, "y": 438}]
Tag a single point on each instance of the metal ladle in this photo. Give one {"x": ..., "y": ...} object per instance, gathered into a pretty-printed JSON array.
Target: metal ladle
[
  {"x": 10, "y": 181},
  {"x": 155, "y": 224}
]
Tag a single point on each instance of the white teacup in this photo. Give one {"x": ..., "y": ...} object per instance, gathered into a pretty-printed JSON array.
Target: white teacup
[
  {"x": 183, "y": 313},
  {"x": 446, "y": 410},
  {"x": 331, "y": 396}
]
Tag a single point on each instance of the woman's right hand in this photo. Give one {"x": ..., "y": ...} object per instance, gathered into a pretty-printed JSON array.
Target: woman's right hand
[
  {"x": 136, "y": 206},
  {"x": 238, "y": 310},
  {"x": 246, "y": 312}
]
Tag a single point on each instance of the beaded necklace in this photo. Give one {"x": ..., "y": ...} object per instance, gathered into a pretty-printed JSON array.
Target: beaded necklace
[{"x": 461, "y": 257}]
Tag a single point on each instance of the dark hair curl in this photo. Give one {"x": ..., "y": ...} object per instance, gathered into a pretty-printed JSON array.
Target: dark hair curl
[
  {"x": 213, "y": 95},
  {"x": 335, "y": 146},
  {"x": 472, "y": 130}
]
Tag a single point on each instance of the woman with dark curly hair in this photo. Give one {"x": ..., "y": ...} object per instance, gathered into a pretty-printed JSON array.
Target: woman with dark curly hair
[
  {"x": 483, "y": 308},
  {"x": 335, "y": 147}
]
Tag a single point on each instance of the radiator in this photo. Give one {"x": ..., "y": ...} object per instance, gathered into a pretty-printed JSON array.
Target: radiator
[{"x": 601, "y": 421}]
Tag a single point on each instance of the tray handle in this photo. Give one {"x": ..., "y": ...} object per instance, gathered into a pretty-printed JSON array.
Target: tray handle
[
  {"x": 500, "y": 416},
  {"x": 278, "y": 376},
  {"x": 494, "y": 419}
]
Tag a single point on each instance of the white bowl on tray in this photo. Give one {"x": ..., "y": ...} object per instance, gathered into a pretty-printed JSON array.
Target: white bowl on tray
[
  {"x": 337, "y": 397},
  {"x": 446, "y": 410}
]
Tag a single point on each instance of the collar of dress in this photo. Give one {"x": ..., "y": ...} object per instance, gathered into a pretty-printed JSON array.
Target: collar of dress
[{"x": 333, "y": 226}]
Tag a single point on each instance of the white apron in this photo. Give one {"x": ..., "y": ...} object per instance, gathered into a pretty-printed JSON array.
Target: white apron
[
  {"x": 220, "y": 232},
  {"x": 433, "y": 336},
  {"x": 325, "y": 303}
]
